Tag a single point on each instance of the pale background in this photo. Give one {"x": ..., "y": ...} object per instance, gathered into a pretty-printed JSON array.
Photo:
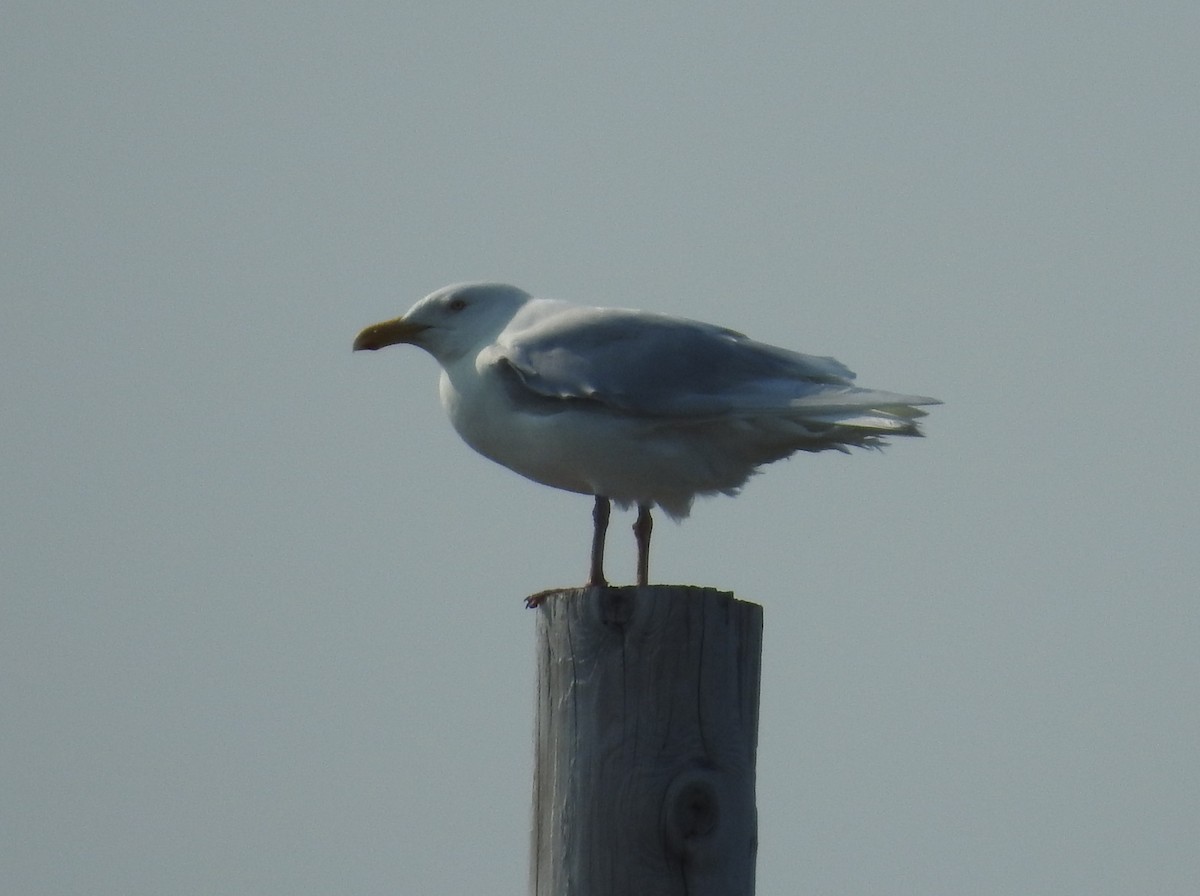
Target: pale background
[{"x": 261, "y": 623}]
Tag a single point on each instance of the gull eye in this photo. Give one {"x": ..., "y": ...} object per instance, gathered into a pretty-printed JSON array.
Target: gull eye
[{"x": 457, "y": 305}]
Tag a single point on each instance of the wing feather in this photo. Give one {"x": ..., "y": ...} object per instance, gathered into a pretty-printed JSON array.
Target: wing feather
[{"x": 652, "y": 365}]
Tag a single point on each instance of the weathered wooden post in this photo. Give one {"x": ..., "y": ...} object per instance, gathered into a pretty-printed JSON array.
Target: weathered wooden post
[{"x": 646, "y": 731}]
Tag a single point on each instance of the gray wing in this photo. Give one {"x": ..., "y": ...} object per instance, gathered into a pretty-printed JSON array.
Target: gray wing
[{"x": 652, "y": 365}]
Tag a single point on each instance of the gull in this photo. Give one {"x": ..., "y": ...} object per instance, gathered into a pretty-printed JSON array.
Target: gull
[{"x": 633, "y": 407}]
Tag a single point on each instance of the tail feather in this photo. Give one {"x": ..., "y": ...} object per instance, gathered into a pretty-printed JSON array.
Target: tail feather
[
  {"x": 865, "y": 410},
  {"x": 878, "y": 421}
]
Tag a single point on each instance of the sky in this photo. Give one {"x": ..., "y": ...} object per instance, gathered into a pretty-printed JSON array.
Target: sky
[{"x": 261, "y": 622}]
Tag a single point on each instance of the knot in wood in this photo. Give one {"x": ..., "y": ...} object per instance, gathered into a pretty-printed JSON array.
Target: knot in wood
[{"x": 692, "y": 811}]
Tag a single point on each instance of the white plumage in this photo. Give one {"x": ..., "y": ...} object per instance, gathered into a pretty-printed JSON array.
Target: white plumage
[{"x": 632, "y": 406}]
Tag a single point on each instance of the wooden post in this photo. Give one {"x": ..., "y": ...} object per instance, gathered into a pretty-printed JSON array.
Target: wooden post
[{"x": 646, "y": 731}]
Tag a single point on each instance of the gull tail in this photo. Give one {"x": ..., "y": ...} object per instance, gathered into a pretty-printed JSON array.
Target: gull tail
[{"x": 855, "y": 417}]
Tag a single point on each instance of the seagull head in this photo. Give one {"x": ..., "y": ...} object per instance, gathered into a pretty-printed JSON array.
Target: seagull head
[{"x": 450, "y": 322}]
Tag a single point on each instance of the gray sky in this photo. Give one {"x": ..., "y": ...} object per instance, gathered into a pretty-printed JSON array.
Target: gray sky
[{"x": 262, "y": 627}]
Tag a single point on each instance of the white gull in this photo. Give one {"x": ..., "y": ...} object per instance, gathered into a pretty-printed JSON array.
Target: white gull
[{"x": 632, "y": 406}]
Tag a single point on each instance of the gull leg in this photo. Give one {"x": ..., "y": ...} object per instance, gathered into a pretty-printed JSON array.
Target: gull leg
[
  {"x": 600, "y": 520},
  {"x": 641, "y": 532}
]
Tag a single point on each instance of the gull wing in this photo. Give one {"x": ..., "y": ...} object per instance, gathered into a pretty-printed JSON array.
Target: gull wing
[{"x": 652, "y": 365}]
